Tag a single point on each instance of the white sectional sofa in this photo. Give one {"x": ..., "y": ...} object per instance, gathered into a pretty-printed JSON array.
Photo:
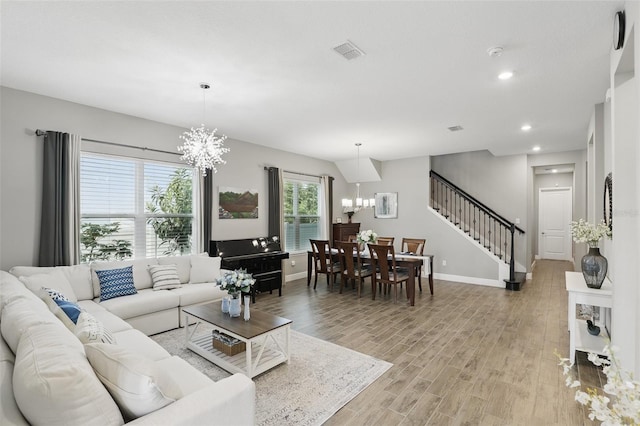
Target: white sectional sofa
[{"x": 48, "y": 376}]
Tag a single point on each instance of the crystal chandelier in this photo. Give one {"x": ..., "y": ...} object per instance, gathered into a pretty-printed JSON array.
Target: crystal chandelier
[
  {"x": 202, "y": 148},
  {"x": 348, "y": 205}
]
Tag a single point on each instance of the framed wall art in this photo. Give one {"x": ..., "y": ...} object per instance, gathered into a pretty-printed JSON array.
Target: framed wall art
[
  {"x": 386, "y": 205},
  {"x": 236, "y": 203}
]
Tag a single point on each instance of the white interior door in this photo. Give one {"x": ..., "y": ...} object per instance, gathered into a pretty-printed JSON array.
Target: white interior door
[{"x": 554, "y": 219}]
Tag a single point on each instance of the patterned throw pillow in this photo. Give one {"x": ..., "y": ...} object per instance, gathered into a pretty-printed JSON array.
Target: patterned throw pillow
[
  {"x": 71, "y": 309},
  {"x": 55, "y": 294},
  {"x": 116, "y": 283},
  {"x": 89, "y": 330},
  {"x": 164, "y": 277}
]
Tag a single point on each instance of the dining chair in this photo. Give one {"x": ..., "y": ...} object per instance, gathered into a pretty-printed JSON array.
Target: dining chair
[
  {"x": 353, "y": 269},
  {"x": 324, "y": 262},
  {"x": 386, "y": 240},
  {"x": 415, "y": 246},
  {"x": 384, "y": 262}
]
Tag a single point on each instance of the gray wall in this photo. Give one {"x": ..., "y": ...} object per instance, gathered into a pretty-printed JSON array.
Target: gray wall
[
  {"x": 410, "y": 179},
  {"x": 498, "y": 182},
  {"x": 21, "y": 166}
]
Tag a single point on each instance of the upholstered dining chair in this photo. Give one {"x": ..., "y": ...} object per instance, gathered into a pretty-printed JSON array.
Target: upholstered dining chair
[
  {"x": 415, "y": 246},
  {"x": 325, "y": 262},
  {"x": 384, "y": 262},
  {"x": 353, "y": 268},
  {"x": 386, "y": 240}
]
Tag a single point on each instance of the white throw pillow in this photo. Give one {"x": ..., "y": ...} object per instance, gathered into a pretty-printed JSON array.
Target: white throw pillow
[
  {"x": 56, "y": 280},
  {"x": 205, "y": 269},
  {"x": 54, "y": 384},
  {"x": 134, "y": 382},
  {"x": 89, "y": 330},
  {"x": 164, "y": 277}
]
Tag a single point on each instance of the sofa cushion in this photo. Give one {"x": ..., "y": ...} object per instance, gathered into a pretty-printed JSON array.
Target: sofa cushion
[
  {"x": 19, "y": 315},
  {"x": 79, "y": 276},
  {"x": 89, "y": 330},
  {"x": 136, "y": 341},
  {"x": 204, "y": 269},
  {"x": 144, "y": 302},
  {"x": 141, "y": 277},
  {"x": 194, "y": 294},
  {"x": 116, "y": 283},
  {"x": 9, "y": 412},
  {"x": 54, "y": 383},
  {"x": 109, "y": 320},
  {"x": 134, "y": 382},
  {"x": 183, "y": 265},
  {"x": 54, "y": 280},
  {"x": 187, "y": 378},
  {"x": 164, "y": 277}
]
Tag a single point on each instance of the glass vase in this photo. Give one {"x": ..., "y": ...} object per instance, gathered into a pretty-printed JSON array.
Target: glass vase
[
  {"x": 234, "y": 306},
  {"x": 594, "y": 268},
  {"x": 247, "y": 312},
  {"x": 225, "y": 305}
]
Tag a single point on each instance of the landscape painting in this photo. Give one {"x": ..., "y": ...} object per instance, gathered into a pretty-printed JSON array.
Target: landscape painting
[{"x": 237, "y": 203}]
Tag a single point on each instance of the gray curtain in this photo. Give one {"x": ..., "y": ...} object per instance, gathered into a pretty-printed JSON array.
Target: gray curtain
[
  {"x": 275, "y": 202},
  {"x": 207, "y": 211},
  {"x": 327, "y": 189},
  {"x": 60, "y": 219}
]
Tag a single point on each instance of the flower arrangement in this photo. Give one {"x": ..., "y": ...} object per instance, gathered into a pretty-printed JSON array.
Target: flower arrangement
[
  {"x": 367, "y": 236},
  {"x": 236, "y": 281},
  {"x": 624, "y": 406},
  {"x": 585, "y": 232}
]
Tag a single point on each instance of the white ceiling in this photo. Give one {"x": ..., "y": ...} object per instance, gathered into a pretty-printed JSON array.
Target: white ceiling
[{"x": 277, "y": 82}]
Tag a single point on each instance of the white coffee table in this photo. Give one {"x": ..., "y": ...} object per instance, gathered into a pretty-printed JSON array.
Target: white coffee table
[{"x": 267, "y": 338}]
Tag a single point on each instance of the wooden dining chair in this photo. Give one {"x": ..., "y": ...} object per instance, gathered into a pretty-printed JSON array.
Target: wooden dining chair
[
  {"x": 388, "y": 274},
  {"x": 385, "y": 240},
  {"x": 325, "y": 262},
  {"x": 353, "y": 269},
  {"x": 415, "y": 246}
]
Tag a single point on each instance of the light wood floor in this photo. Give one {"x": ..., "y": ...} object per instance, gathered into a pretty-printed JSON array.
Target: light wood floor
[{"x": 468, "y": 355}]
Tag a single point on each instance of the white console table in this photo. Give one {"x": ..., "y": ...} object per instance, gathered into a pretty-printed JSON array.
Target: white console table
[{"x": 579, "y": 293}]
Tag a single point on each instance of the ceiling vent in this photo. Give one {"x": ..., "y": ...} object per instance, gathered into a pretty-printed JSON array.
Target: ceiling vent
[
  {"x": 349, "y": 50},
  {"x": 455, "y": 128}
]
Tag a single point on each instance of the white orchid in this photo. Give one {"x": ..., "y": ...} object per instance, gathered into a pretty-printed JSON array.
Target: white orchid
[{"x": 623, "y": 408}]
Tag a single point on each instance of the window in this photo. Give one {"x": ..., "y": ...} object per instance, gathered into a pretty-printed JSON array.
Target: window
[
  {"x": 134, "y": 208},
  {"x": 301, "y": 211}
]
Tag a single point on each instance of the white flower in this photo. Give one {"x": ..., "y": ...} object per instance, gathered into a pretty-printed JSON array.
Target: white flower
[
  {"x": 584, "y": 232},
  {"x": 367, "y": 236}
]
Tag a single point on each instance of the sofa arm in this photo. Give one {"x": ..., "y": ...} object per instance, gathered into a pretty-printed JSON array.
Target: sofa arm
[{"x": 230, "y": 401}]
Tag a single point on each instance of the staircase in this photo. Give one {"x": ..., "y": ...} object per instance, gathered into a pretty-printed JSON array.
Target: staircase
[{"x": 492, "y": 231}]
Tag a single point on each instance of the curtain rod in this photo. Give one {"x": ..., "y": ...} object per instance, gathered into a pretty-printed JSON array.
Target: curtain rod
[
  {"x": 144, "y": 148},
  {"x": 298, "y": 173}
]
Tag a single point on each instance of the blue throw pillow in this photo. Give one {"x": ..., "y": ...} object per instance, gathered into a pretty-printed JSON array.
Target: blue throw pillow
[
  {"x": 71, "y": 309},
  {"x": 116, "y": 283}
]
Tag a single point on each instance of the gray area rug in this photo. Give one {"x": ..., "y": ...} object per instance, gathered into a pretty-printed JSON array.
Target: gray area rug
[{"x": 320, "y": 378}]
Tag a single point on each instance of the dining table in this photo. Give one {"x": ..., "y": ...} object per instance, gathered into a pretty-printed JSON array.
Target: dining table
[{"x": 403, "y": 260}]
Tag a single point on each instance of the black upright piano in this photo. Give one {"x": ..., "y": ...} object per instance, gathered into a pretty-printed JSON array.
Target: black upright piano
[{"x": 260, "y": 256}]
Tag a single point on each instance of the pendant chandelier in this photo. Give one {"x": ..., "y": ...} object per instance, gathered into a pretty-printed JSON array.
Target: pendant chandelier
[
  {"x": 348, "y": 205},
  {"x": 202, "y": 148}
]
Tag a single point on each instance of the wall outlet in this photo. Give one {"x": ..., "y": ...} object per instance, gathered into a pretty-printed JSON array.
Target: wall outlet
[
  {"x": 517, "y": 220},
  {"x": 293, "y": 263},
  {"x": 444, "y": 263}
]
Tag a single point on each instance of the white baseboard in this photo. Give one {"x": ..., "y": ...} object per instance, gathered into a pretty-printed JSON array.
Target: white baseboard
[
  {"x": 529, "y": 275},
  {"x": 296, "y": 276},
  {"x": 470, "y": 280}
]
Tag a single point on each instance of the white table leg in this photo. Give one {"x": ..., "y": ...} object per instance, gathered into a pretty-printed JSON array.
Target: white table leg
[{"x": 571, "y": 318}]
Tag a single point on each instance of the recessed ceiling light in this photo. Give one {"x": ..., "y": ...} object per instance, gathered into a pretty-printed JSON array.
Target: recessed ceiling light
[
  {"x": 505, "y": 75},
  {"x": 554, "y": 171},
  {"x": 525, "y": 127},
  {"x": 536, "y": 148}
]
